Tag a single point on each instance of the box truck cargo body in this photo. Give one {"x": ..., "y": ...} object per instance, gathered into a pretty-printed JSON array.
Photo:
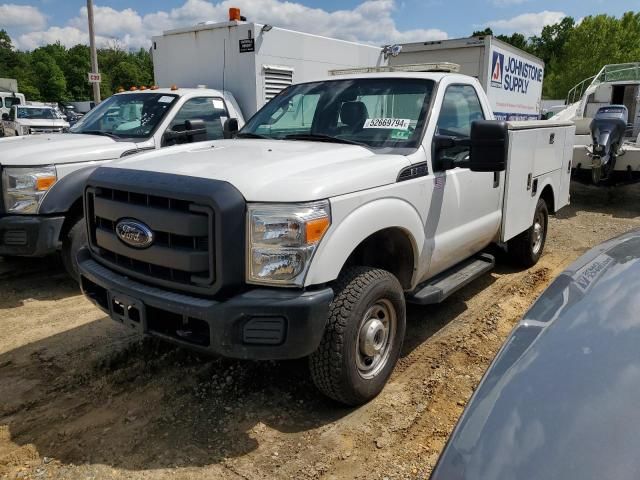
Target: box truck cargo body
[
  {"x": 252, "y": 60},
  {"x": 511, "y": 77}
]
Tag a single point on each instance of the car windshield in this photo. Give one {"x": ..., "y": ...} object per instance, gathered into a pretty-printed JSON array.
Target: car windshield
[
  {"x": 37, "y": 113},
  {"x": 379, "y": 113},
  {"x": 130, "y": 115}
]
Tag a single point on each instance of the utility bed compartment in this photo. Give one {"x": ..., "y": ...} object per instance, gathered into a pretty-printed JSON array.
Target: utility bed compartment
[{"x": 539, "y": 154}]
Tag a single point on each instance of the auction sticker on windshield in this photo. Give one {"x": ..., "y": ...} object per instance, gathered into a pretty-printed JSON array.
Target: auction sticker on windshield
[{"x": 396, "y": 123}]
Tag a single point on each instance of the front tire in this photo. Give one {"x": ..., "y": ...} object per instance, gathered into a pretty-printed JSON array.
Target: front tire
[
  {"x": 526, "y": 249},
  {"x": 363, "y": 337},
  {"x": 75, "y": 239}
]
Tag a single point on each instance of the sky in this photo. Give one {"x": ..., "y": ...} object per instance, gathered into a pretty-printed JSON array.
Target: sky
[{"x": 130, "y": 24}]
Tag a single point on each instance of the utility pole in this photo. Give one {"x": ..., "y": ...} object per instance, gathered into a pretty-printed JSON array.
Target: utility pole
[{"x": 94, "y": 53}]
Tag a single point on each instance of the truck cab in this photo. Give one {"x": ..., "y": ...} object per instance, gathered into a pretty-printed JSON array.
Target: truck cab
[
  {"x": 43, "y": 175},
  {"x": 32, "y": 120},
  {"x": 8, "y": 100},
  {"x": 338, "y": 202}
]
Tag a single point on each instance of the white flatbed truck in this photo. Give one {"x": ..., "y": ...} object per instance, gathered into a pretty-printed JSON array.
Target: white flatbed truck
[{"x": 337, "y": 203}]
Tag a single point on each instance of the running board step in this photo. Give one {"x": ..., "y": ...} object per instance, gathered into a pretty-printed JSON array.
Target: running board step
[{"x": 452, "y": 280}]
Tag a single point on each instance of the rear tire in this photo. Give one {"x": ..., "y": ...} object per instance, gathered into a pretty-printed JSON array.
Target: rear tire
[
  {"x": 526, "y": 249},
  {"x": 75, "y": 239},
  {"x": 363, "y": 336}
]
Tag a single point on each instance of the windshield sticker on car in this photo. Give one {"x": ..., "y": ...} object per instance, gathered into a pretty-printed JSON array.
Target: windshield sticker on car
[
  {"x": 397, "y": 134},
  {"x": 217, "y": 104},
  {"x": 165, "y": 99},
  {"x": 396, "y": 123}
]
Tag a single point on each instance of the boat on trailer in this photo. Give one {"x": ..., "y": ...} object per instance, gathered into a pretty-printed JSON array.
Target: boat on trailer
[{"x": 604, "y": 153}]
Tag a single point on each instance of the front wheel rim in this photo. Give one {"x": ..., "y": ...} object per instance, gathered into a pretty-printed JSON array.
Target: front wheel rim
[
  {"x": 538, "y": 233},
  {"x": 376, "y": 336}
]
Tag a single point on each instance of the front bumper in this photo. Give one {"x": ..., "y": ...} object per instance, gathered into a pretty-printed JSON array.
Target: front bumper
[
  {"x": 260, "y": 324},
  {"x": 29, "y": 236}
]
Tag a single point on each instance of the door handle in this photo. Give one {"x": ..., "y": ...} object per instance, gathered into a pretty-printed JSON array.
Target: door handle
[{"x": 496, "y": 179}]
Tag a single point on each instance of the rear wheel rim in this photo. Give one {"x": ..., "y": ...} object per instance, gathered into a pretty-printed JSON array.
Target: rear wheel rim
[
  {"x": 376, "y": 336},
  {"x": 538, "y": 233}
]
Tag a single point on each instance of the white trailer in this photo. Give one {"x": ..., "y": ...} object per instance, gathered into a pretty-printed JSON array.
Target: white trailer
[
  {"x": 253, "y": 60},
  {"x": 511, "y": 77}
]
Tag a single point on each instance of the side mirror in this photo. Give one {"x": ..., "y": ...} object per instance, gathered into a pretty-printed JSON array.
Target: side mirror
[
  {"x": 230, "y": 128},
  {"x": 489, "y": 143},
  {"x": 192, "y": 131},
  {"x": 5, "y": 116}
]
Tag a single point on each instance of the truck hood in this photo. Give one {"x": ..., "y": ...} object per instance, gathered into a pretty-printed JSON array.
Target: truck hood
[
  {"x": 276, "y": 170},
  {"x": 561, "y": 398},
  {"x": 59, "y": 148}
]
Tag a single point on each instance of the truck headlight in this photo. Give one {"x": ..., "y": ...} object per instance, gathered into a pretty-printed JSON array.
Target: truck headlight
[
  {"x": 24, "y": 188},
  {"x": 282, "y": 239}
]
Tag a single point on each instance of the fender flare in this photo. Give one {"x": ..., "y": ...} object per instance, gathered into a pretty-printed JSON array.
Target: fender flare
[
  {"x": 65, "y": 192},
  {"x": 547, "y": 181},
  {"x": 369, "y": 218}
]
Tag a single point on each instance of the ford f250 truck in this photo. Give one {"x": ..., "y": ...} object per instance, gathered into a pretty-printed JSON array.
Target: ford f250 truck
[
  {"x": 41, "y": 183},
  {"x": 337, "y": 203}
]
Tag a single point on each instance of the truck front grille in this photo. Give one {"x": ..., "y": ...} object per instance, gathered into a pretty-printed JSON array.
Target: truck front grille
[
  {"x": 41, "y": 130},
  {"x": 182, "y": 254}
]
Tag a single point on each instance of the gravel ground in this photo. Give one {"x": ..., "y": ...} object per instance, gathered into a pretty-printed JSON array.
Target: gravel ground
[{"x": 82, "y": 398}]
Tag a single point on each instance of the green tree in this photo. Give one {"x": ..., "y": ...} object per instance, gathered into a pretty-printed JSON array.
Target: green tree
[
  {"x": 517, "y": 40},
  {"x": 482, "y": 33},
  {"x": 598, "y": 40},
  {"x": 48, "y": 76}
]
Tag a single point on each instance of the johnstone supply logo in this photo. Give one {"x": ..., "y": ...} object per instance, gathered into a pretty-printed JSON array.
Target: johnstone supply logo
[
  {"x": 513, "y": 74},
  {"x": 496, "y": 70}
]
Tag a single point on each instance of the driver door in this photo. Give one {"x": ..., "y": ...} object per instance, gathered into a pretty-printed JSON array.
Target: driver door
[{"x": 470, "y": 201}]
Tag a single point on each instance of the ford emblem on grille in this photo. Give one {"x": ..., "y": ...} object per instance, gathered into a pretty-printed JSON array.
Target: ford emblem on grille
[{"x": 134, "y": 233}]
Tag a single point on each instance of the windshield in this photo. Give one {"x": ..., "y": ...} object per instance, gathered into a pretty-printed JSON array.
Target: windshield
[
  {"x": 37, "y": 113},
  {"x": 131, "y": 115},
  {"x": 375, "y": 112}
]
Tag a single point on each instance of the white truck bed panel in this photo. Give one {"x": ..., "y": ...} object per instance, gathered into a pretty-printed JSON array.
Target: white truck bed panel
[{"x": 539, "y": 155}]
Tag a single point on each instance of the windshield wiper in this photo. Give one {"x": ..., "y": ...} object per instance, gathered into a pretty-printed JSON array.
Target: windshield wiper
[
  {"x": 317, "y": 137},
  {"x": 100, "y": 132},
  {"x": 252, "y": 135}
]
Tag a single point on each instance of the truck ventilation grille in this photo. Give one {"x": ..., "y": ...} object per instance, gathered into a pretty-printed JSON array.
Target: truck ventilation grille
[
  {"x": 182, "y": 253},
  {"x": 276, "y": 79}
]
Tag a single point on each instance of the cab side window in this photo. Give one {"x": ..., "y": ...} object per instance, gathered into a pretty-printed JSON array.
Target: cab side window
[
  {"x": 460, "y": 107},
  {"x": 212, "y": 111},
  {"x": 11, "y": 101}
]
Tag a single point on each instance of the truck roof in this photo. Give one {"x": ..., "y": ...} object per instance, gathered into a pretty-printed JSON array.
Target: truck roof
[
  {"x": 181, "y": 92},
  {"x": 435, "y": 76}
]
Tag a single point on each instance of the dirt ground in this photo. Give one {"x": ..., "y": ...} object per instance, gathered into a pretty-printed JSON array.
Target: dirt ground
[{"x": 81, "y": 398}]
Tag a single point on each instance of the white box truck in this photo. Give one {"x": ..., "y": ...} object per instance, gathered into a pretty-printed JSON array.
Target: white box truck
[
  {"x": 512, "y": 78},
  {"x": 254, "y": 61},
  {"x": 241, "y": 63},
  {"x": 9, "y": 95},
  {"x": 337, "y": 203}
]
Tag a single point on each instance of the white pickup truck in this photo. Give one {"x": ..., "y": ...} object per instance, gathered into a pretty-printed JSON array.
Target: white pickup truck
[
  {"x": 337, "y": 203},
  {"x": 41, "y": 202},
  {"x": 32, "y": 120}
]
